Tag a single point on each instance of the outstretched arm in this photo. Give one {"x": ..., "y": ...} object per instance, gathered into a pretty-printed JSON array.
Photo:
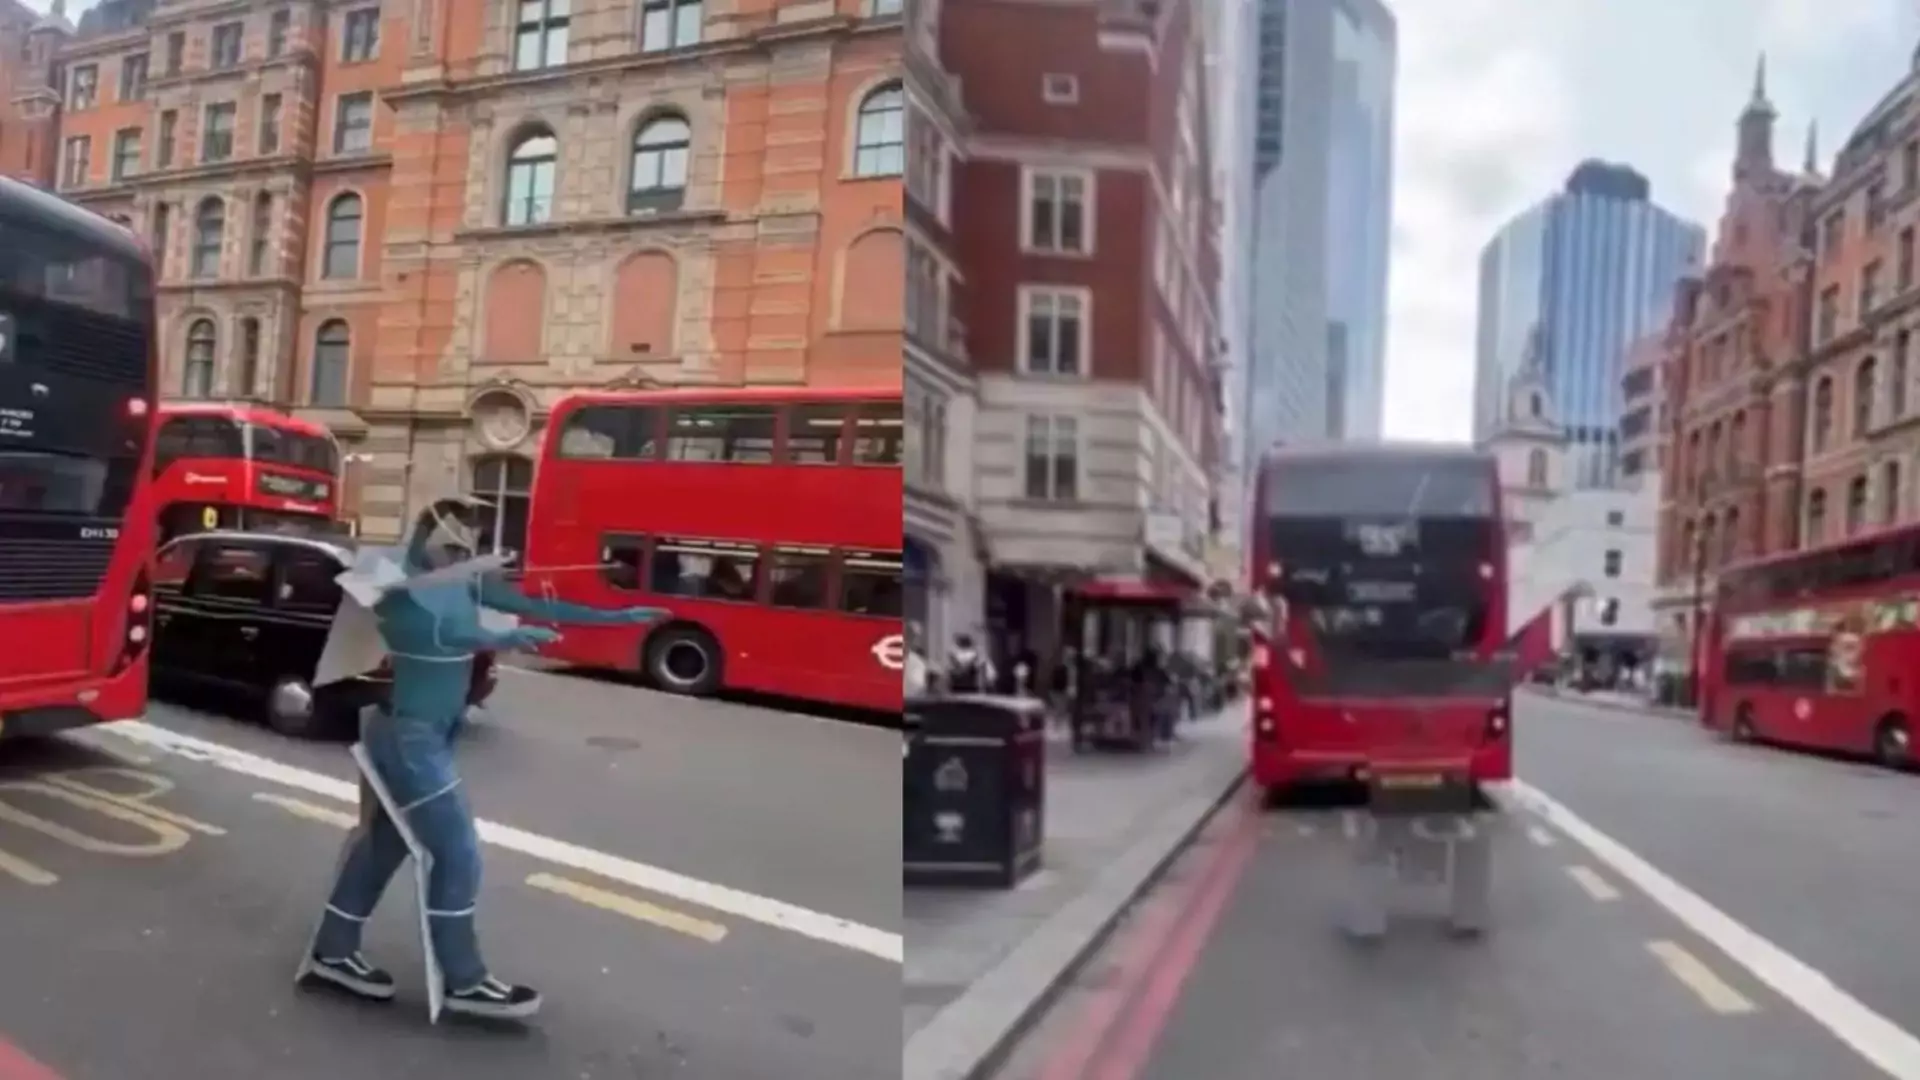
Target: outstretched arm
[
  {"x": 500, "y": 594},
  {"x": 456, "y": 627}
]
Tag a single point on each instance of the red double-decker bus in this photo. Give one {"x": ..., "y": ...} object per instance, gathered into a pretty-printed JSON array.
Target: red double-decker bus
[
  {"x": 1384, "y": 572},
  {"x": 1817, "y": 649},
  {"x": 78, "y": 382},
  {"x": 243, "y": 466},
  {"x": 766, "y": 520}
]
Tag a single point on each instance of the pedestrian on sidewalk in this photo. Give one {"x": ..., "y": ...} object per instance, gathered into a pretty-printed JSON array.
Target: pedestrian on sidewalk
[
  {"x": 431, "y": 632},
  {"x": 968, "y": 669}
]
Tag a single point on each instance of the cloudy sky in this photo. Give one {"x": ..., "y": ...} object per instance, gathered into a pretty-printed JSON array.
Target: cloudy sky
[{"x": 1499, "y": 98}]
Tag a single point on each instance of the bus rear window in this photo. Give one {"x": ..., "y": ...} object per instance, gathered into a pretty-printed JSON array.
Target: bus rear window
[
  {"x": 51, "y": 266},
  {"x": 42, "y": 483},
  {"x": 1380, "y": 486}
]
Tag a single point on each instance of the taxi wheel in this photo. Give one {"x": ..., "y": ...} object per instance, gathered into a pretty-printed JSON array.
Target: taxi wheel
[
  {"x": 292, "y": 710},
  {"x": 1893, "y": 743},
  {"x": 683, "y": 660}
]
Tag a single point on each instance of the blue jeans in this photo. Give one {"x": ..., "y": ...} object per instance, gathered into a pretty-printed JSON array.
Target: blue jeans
[{"x": 414, "y": 758}]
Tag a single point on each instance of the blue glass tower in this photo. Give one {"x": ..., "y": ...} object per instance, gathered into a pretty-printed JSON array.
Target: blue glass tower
[{"x": 1591, "y": 270}]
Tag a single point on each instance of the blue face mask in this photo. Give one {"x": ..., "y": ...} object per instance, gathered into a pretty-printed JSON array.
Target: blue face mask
[{"x": 450, "y": 541}]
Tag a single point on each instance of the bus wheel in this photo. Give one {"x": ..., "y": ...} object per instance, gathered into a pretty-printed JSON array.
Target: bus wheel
[
  {"x": 1893, "y": 743},
  {"x": 1743, "y": 730},
  {"x": 291, "y": 710},
  {"x": 684, "y": 660}
]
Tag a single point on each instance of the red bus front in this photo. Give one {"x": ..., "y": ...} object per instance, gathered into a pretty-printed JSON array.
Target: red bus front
[
  {"x": 766, "y": 521},
  {"x": 220, "y": 466},
  {"x": 1817, "y": 649},
  {"x": 78, "y": 381},
  {"x": 1384, "y": 571}
]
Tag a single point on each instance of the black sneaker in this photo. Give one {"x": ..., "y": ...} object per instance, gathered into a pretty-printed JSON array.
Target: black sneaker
[
  {"x": 354, "y": 975},
  {"x": 495, "y": 1000}
]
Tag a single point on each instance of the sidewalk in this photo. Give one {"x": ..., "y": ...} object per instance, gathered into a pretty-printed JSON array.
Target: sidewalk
[
  {"x": 1613, "y": 699},
  {"x": 982, "y": 964}
]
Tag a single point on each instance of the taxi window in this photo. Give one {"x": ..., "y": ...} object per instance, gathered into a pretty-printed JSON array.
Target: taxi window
[
  {"x": 307, "y": 581},
  {"x": 174, "y": 564},
  {"x": 234, "y": 572}
]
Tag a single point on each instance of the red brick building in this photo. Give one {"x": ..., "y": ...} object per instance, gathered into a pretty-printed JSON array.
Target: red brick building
[
  {"x": 28, "y": 97},
  {"x": 422, "y": 227},
  {"x": 1092, "y": 270},
  {"x": 1734, "y": 382}
]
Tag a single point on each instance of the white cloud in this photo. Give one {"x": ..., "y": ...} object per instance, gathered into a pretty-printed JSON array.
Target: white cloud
[{"x": 1498, "y": 99}]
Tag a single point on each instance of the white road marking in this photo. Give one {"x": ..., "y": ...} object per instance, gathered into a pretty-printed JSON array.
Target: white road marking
[
  {"x": 1539, "y": 835},
  {"x": 761, "y": 909},
  {"x": 1593, "y": 884},
  {"x": 1696, "y": 976},
  {"x": 1874, "y": 1037}
]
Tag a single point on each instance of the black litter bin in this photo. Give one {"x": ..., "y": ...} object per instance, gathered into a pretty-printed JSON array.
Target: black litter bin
[{"x": 974, "y": 776}]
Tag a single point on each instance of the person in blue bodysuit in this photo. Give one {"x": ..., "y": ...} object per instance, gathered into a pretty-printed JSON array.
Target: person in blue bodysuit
[{"x": 432, "y": 633}]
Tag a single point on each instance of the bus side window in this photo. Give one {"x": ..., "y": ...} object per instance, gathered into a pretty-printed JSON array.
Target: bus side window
[
  {"x": 625, "y": 432},
  {"x": 1752, "y": 667},
  {"x": 878, "y": 433},
  {"x": 171, "y": 443},
  {"x": 870, "y": 584},
  {"x": 623, "y": 557},
  {"x": 213, "y": 437},
  {"x": 731, "y": 433},
  {"x": 1804, "y": 669},
  {"x": 798, "y": 577},
  {"x": 704, "y": 569},
  {"x": 814, "y": 434}
]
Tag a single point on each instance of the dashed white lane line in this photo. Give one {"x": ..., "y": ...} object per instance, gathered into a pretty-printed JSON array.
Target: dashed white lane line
[
  {"x": 1695, "y": 975},
  {"x": 1593, "y": 884},
  {"x": 767, "y": 911},
  {"x": 1540, "y": 836},
  {"x": 1874, "y": 1037}
]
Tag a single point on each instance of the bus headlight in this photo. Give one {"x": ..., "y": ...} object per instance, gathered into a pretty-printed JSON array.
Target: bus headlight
[{"x": 1497, "y": 722}]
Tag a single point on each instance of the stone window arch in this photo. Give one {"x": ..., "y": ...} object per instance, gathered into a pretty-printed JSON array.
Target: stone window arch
[
  {"x": 880, "y": 132},
  {"x": 657, "y": 169},
  {"x": 209, "y": 235},
  {"x": 332, "y": 361},
  {"x": 203, "y": 345},
  {"x": 532, "y": 174},
  {"x": 1537, "y": 468},
  {"x": 504, "y": 483},
  {"x": 344, "y": 227}
]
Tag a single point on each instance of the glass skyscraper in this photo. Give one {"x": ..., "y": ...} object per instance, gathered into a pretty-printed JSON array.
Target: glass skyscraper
[
  {"x": 1314, "y": 187},
  {"x": 1581, "y": 276}
]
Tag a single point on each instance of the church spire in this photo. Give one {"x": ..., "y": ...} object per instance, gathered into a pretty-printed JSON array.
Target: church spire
[
  {"x": 1811, "y": 166},
  {"x": 1753, "y": 157}
]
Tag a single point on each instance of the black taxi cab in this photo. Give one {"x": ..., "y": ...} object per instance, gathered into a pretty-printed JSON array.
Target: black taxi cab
[{"x": 250, "y": 612}]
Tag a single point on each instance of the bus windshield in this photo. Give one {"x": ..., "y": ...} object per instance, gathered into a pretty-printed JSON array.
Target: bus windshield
[
  {"x": 35, "y": 482},
  {"x": 294, "y": 449}
]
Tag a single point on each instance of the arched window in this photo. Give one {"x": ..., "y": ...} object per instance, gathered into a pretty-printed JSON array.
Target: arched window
[
  {"x": 1822, "y": 432},
  {"x": 1864, "y": 380},
  {"x": 660, "y": 151},
  {"x": 880, "y": 133},
  {"x": 1536, "y": 406},
  {"x": 209, "y": 233},
  {"x": 247, "y": 381},
  {"x": 1737, "y": 441},
  {"x": 340, "y": 259},
  {"x": 1716, "y": 449},
  {"x": 196, "y": 378},
  {"x": 1730, "y": 536},
  {"x": 1889, "y": 493},
  {"x": 505, "y": 483},
  {"x": 1856, "y": 504},
  {"x": 260, "y": 242},
  {"x": 1897, "y": 377},
  {"x": 1537, "y": 468},
  {"x": 530, "y": 178},
  {"x": 332, "y": 346},
  {"x": 1816, "y": 516}
]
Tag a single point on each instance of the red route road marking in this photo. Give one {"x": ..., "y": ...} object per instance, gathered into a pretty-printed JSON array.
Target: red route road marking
[
  {"x": 15, "y": 1064},
  {"x": 1117, "y": 1030}
]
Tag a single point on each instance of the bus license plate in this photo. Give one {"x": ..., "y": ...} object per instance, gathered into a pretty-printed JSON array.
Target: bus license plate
[{"x": 1410, "y": 781}]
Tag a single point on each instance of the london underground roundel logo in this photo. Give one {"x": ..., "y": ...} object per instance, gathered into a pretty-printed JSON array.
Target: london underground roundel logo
[{"x": 891, "y": 651}]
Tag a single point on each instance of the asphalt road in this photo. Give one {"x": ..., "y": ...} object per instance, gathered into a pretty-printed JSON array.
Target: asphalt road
[
  {"x": 702, "y": 890},
  {"x": 1665, "y": 905}
]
